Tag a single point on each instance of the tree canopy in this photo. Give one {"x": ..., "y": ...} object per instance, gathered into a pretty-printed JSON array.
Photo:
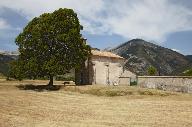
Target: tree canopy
[
  {"x": 152, "y": 70},
  {"x": 51, "y": 44}
]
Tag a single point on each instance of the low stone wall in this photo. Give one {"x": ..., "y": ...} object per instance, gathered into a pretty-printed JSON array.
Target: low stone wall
[
  {"x": 171, "y": 83},
  {"x": 124, "y": 81}
]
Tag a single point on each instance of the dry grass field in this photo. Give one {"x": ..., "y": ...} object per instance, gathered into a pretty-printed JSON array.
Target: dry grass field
[{"x": 92, "y": 106}]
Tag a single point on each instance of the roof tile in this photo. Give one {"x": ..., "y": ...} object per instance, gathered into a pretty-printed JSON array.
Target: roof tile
[{"x": 105, "y": 54}]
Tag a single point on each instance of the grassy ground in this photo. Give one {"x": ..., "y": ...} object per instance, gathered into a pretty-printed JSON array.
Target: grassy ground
[
  {"x": 2, "y": 76},
  {"x": 92, "y": 106}
]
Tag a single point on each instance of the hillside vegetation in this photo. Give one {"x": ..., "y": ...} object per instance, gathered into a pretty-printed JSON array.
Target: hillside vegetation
[{"x": 4, "y": 63}]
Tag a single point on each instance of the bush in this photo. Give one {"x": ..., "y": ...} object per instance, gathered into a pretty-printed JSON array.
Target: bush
[
  {"x": 152, "y": 70},
  {"x": 188, "y": 72},
  {"x": 134, "y": 83},
  {"x": 64, "y": 78},
  {"x": 112, "y": 93}
]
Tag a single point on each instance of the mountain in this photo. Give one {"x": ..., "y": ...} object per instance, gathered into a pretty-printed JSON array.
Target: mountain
[
  {"x": 189, "y": 57},
  {"x": 5, "y": 59},
  {"x": 140, "y": 55}
]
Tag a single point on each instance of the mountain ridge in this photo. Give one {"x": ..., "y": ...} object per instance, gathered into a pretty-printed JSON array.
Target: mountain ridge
[
  {"x": 189, "y": 57},
  {"x": 140, "y": 55}
]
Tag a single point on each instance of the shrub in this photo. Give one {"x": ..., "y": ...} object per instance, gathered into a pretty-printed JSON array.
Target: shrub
[
  {"x": 134, "y": 83},
  {"x": 64, "y": 78},
  {"x": 152, "y": 70}
]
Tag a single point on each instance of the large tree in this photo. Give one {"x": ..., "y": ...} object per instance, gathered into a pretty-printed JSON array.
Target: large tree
[{"x": 51, "y": 44}]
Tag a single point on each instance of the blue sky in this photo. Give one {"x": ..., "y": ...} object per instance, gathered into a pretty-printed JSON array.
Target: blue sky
[{"x": 108, "y": 23}]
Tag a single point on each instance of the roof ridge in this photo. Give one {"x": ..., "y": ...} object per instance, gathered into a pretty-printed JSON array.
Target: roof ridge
[{"x": 105, "y": 54}]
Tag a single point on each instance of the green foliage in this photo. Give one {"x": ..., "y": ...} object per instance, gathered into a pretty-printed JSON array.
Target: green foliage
[
  {"x": 188, "y": 72},
  {"x": 16, "y": 70},
  {"x": 152, "y": 70},
  {"x": 64, "y": 78},
  {"x": 134, "y": 83},
  {"x": 50, "y": 45}
]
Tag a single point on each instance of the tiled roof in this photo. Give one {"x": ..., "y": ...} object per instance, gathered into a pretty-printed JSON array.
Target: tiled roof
[{"x": 105, "y": 54}]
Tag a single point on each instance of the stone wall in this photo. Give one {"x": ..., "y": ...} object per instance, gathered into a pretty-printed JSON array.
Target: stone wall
[
  {"x": 126, "y": 78},
  {"x": 124, "y": 81},
  {"x": 171, "y": 83}
]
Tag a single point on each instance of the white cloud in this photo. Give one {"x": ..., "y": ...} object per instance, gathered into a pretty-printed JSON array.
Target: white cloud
[
  {"x": 176, "y": 50},
  {"x": 3, "y": 24},
  {"x": 147, "y": 19}
]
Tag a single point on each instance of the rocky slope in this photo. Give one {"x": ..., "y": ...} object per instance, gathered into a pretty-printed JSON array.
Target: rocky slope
[
  {"x": 5, "y": 59},
  {"x": 140, "y": 54},
  {"x": 189, "y": 57}
]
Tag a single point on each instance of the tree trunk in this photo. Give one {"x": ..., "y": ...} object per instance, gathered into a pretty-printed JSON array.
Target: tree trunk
[{"x": 50, "y": 80}]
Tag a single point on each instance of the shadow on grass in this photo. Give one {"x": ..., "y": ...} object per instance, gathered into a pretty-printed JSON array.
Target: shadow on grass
[{"x": 39, "y": 88}]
